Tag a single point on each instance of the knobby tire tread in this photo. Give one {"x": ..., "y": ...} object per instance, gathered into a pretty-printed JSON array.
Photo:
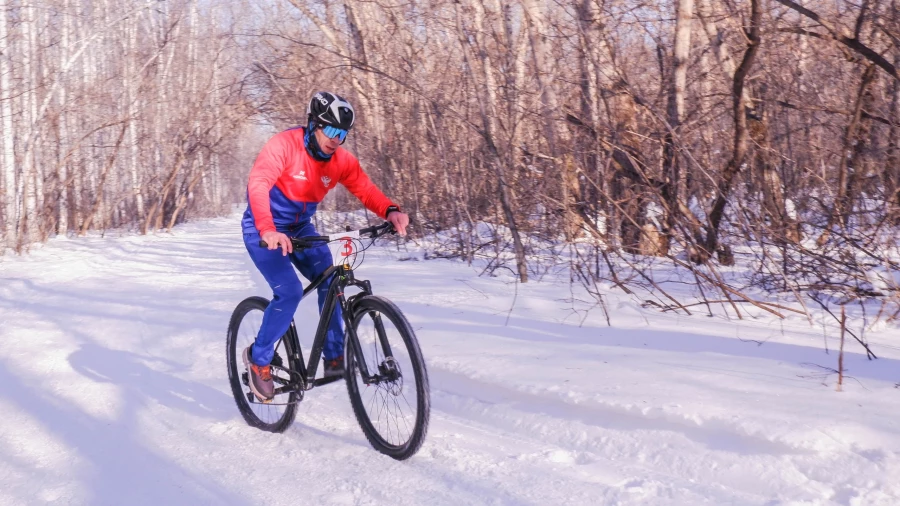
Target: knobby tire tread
[
  {"x": 390, "y": 311},
  {"x": 236, "y": 367}
]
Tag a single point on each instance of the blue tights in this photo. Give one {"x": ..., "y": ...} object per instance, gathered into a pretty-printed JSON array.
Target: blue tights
[{"x": 278, "y": 270}]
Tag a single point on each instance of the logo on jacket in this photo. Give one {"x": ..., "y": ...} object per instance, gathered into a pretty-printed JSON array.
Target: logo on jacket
[
  {"x": 326, "y": 181},
  {"x": 301, "y": 175}
]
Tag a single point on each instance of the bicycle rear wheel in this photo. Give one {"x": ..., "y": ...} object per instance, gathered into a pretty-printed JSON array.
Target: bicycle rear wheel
[
  {"x": 393, "y": 407},
  {"x": 245, "y": 322}
]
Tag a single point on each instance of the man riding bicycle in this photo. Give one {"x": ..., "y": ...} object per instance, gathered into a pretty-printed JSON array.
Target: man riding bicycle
[{"x": 291, "y": 175}]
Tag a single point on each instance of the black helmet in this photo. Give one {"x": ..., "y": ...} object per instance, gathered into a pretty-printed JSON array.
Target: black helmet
[{"x": 329, "y": 109}]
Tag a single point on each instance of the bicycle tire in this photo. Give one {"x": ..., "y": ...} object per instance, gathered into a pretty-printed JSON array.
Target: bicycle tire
[
  {"x": 242, "y": 330},
  {"x": 404, "y": 347}
]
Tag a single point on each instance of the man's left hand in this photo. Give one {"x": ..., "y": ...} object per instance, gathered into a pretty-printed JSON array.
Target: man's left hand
[{"x": 399, "y": 220}]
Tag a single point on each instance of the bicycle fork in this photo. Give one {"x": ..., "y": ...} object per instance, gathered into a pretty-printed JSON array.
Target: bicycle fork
[{"x": 387, "y": 369}]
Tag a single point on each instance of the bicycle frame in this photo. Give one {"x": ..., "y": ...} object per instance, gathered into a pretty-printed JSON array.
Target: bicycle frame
[
  {"x": 342, "y": 278},
  {"x": 389, "y": 393}
]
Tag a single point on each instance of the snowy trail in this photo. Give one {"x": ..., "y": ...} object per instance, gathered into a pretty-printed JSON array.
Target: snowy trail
[{"x": 113, "y": 391}]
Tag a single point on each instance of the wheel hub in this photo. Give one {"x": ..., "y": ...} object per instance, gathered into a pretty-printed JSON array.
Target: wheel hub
[{"x": 389, "y": 370}]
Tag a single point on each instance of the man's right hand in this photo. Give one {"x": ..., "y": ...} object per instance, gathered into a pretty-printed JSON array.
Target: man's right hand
[{"x": 274, "y": 240}]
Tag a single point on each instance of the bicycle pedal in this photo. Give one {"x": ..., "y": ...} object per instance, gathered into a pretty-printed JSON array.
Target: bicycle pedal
[
  {"x": 253, "y": 399},
  {"x": 245, "y": 379}
]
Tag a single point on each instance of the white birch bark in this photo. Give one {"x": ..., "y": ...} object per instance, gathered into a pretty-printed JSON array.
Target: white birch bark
[
  {"x": 62, "y": 223},
  {"x": 587, "y": 19},
  {"x": 88, "y": 154},
  {"x": 7, "y": 155},
  {"x": 537, "y": 31},
  {"x": 726, "y": 62},
  {"x": 131, "y": 83},
  {"x": 516, "y": 43},
  {"x": 681, "y": 54},
  {"x": 192, "y": 52},
  {"x": 30, "y": 188},
  {"x": 108, "y": 192},
  {"x": 488, "y": 103},
  {"x": 588, "y": 31},
  {"x": 164, "y": 96},
  {"x": 26, "y": 182},
  {"x": 217, "y": 135},
  {"x": 362, "y": 42}
]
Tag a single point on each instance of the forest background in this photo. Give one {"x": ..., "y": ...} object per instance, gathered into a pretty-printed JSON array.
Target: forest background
[{"x": 749, "y": 146}]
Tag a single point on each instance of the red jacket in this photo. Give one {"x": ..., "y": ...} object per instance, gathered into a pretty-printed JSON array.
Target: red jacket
[{"x": 286, "y": 183}]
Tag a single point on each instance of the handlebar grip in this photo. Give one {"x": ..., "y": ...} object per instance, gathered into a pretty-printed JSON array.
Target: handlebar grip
[{"x": 263, "y": 244}]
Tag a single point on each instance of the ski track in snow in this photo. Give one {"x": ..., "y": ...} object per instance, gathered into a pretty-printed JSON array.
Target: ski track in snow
[{"x": 113, "y": 390}]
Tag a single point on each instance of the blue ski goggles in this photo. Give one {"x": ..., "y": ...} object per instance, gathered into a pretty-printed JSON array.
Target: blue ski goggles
[{"x": 332, "y": 132}]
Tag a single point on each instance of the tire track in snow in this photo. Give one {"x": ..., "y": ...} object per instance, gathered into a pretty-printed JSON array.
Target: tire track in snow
[{"x": 158, "y": 306}]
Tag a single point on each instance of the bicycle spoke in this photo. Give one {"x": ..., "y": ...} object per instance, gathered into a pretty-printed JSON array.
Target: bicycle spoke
[
  {"x": 392, "y": 419},
  {"x": 277, "y": 415}
]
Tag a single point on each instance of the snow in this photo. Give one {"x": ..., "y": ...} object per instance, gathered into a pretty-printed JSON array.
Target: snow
[{"x": 113, "y": 390}]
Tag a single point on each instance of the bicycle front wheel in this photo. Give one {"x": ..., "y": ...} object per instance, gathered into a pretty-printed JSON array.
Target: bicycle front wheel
[
  {"x": 392, "y": 404},
  {"x": 277, "y": 415}
]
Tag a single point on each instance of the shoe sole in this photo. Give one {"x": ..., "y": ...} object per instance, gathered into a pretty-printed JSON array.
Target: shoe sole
[{"x": 260, "y": 397}]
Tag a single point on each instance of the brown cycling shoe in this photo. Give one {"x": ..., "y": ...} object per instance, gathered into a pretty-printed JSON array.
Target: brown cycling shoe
[{"x": 260, "y": 379}]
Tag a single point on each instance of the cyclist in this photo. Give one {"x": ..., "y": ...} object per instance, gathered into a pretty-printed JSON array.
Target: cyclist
[{"x": 291, "y": 175}]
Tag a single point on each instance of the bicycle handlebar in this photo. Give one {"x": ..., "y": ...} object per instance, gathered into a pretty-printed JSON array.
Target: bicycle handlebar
[{"x": 306, "y": 241}]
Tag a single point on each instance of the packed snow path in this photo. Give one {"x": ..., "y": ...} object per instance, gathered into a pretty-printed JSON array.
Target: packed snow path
[{"x": 113, "y": 390}]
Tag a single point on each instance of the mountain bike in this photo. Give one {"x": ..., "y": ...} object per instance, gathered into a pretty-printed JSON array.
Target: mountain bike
[{"x": 384, "y": 367}]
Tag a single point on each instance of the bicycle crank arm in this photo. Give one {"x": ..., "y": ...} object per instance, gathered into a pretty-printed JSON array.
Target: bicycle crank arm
[{"x": 288, "y": 388}]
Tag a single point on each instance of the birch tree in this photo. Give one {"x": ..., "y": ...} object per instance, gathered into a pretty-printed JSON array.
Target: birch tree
[
  {"x": 7, "y": 148},
  {"x": 84, "y": 93}
]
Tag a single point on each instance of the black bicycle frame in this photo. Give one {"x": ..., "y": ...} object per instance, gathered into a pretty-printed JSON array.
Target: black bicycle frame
[{"x": 342, "y": 278}]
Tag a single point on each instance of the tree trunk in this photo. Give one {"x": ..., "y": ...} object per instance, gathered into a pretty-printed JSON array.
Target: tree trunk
[
  {"x": 675, "y": 113},
  {"x": 852, "y": 144},
  {"x": 7, "y": 138},
  {"x": 739, "y": 150},
  {"x": 681, "y": 53},
  {"x": 892, "y": 169},
  {"x": 783, "y": 227},
  {"x": 28, "y": 194},
  {"x": 487, "y": 106},
  {"x": 183, "y": 198},
  {"x": 98, "y": 205},
  {"x": 363, "y": 55},
  {"x": 131, "y": 85},
  {"x": 716, "y": 42},
  {"x": 62, "y": 190},
  {"x": 587, "y": 101},
  {"x": 839, "y": 34},
  {"x": 551, "y": 115}
]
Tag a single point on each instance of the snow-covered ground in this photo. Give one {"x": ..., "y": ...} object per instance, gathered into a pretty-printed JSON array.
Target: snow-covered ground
[{"x": 113, "y": 390}]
